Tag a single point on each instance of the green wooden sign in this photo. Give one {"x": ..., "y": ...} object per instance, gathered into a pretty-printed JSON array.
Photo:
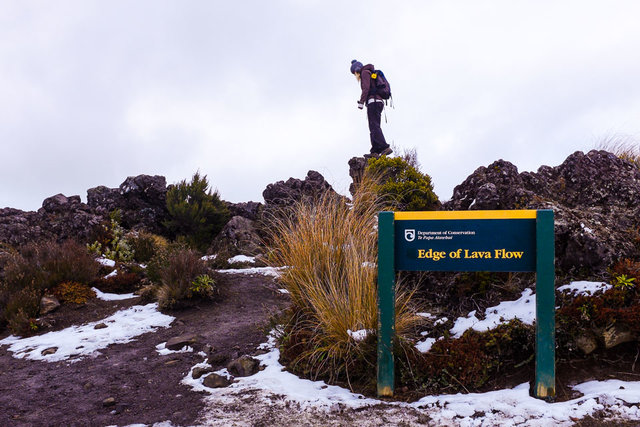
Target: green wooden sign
[{"x": 518, "y": 240}]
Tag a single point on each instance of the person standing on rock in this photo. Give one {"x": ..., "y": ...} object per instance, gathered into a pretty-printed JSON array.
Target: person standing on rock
[{"x": 375, "y": 105}]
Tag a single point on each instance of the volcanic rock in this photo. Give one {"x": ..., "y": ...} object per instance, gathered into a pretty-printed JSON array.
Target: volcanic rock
[
  {"x": 244, "y": 366},
  {"x": 48, "y": 304},
  {"x": 216, "y": 381},
  {"x": 595, "y": 198}
]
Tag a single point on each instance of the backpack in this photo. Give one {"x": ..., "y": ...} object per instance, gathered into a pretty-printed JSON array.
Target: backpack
[{"x": 380, "y": 85}]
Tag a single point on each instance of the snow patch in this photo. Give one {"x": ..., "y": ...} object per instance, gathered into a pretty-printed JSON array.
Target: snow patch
[
  {"x": 163, "y": 350},
  {"x": 78, "y": 342},
  {"x": 506, "y": 407},
  {"x": 242, "y": 258},
  {"x": 584, "y": 288},
  {"x": 425, "y": 346},
  {"x": 266, "y": 271},
  {"x": 426, "y": 315},
  {"x": 523, "y": 308},
  {"x": 104, "y": 296},
  {"x": 441, "y": 321},
  {"x": 276, "y": 380},
  {"x": 106, "y": 262},
  {"x": 358, "y": 335}
]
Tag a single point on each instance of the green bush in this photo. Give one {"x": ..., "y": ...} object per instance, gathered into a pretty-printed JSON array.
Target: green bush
[
  {"x": 48, "y": 264},
  {"x": 21, "y": 309},
  {"x": 468, "y": 362},
  {"x": 35, "y": 269},
  {"x": 184, "y": 280},
  {"x": 196, "y": 213},
  {"x": 111, "y": 242},
  {"x": 146, "y": 245},
  {"x": 401, "y": 184}
]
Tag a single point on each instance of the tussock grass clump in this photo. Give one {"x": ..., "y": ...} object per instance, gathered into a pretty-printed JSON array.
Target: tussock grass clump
[
  {"x": 624, "y": 147},
  {"x": 330, "y": 249}
]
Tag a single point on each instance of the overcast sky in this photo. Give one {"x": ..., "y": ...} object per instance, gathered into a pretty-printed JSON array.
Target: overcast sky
[{"x": 253, "y": 92}]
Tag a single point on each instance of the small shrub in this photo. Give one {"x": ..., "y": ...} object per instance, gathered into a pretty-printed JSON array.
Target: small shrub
[
  {"x": 196, "y": 213},
  {"x": 146, "y": 245},
  {"x": 22, "y": 324},
  {"x": 48, "y": 264},
  {"x": 622, "y": 281},
  {"x": 73, "y": 293},
  {"x": 402, "y": 185},
  {"x": 620, "y": 305},
  {"x": 111, "y": 242},
  {"x": 177, "y": 276},
  {"x": 156, "y": 265},
  {"x": 202, "y": 286},
  {"x": 467, "y": 363},
  {"x": 627, "y": 268},
  {"x": 21, "y": 309},
  {"x": 121, "y": 283}
]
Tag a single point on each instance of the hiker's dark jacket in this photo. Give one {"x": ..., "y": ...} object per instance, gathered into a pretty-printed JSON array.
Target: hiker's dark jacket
[{"x": 365, "y": 83}]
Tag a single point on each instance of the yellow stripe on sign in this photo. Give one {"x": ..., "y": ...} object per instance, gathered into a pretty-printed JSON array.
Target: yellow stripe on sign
[{"x": 514, "y": 214}]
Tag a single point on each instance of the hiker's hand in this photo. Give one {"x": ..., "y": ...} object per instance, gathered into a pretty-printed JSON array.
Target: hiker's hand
[{"x": 360, "y": 105}]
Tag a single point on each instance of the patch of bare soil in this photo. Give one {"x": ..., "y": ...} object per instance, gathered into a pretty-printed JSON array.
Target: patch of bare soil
[{"x": 144, "y": 385}]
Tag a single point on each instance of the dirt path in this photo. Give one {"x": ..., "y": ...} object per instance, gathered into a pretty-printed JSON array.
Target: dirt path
[{"x": 145, "y": 385}]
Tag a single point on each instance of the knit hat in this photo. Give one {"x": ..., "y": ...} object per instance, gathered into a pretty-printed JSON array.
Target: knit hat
[{"x": 355, "y": 66}]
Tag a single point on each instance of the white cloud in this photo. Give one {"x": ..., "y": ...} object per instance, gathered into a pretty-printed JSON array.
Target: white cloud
[{"x": 91, "y": 92}]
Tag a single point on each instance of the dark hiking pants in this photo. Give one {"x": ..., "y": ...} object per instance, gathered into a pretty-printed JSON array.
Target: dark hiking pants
[{"x": 374, "y": 114}]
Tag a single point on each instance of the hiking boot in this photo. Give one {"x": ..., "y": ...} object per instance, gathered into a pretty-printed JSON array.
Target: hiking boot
[{"x": 386, "y": 151}]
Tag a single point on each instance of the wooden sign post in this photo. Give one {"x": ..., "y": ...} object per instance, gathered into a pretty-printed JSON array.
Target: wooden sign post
[{"x": 518, "y": 240}]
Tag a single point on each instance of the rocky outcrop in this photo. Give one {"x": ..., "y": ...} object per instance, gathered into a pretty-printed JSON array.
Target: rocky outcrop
[
  {"x": 239, "y": 236},
  {"x": 357, "y": 165},
  {"x": 294, "y": 190},
  {"x": 141, "y": 199},
  {"x": 595, "y": 198},
  {"x": 59, "y": 218},
  {"x": 18, "y": 227},
  {"x": 249, "y": 210}
]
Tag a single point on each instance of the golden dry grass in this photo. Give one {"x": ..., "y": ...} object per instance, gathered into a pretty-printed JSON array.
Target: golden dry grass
[
  {"x": 330, "y": 249},
  {"x": 625, "y": 147}
]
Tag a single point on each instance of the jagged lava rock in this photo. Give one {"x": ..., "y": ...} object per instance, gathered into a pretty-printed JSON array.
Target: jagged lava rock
[
  {"x": 595, "y": 198},
  {"x": 357, "y": 165},
  {"x": 141, "y": 199},
  {"x": 249, "y": 210},
  {"x": 293, "y": 190},
  {"x": 239, "y": 235}
]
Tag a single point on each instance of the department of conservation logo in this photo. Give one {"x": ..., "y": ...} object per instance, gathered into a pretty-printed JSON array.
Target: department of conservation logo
[{"x": 410, "y": 235}]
